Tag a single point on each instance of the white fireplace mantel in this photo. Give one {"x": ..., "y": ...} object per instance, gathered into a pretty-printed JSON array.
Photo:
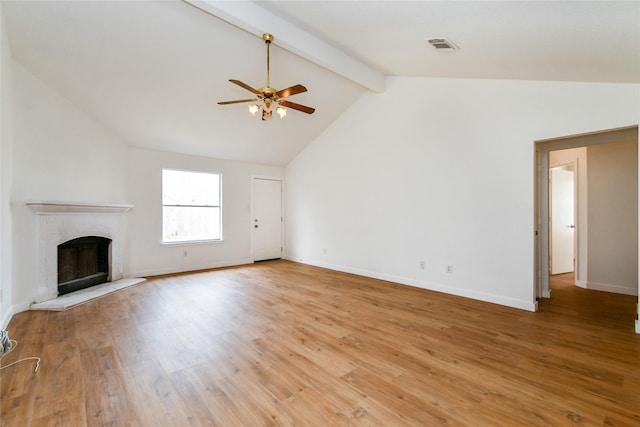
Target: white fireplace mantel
[{"x": 40, "y": 207}]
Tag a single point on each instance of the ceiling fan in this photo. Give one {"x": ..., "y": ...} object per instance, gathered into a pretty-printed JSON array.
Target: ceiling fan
[{"x": 269, "y": 96}]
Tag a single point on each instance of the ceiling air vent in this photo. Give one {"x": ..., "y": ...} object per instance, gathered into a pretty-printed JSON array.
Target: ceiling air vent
[{"x": 443, "y": 45}]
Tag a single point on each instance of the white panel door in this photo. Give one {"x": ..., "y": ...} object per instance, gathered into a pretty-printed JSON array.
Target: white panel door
[
  {"x": 267, "y": 219},
  {"x": 562, "y": 220}
]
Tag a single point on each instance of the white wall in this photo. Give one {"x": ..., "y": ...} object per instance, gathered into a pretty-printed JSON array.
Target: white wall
[
  {"x": 440, "y": 170},
  {"x": 147, "y": 255},
  {"x": 613, "y": 217},
  {"x": 59, "y": 154},
  {"x": 6, "y": 256}
]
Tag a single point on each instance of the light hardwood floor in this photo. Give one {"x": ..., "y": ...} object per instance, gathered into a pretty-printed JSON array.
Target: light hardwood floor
[{"x": 280, "y": 343}]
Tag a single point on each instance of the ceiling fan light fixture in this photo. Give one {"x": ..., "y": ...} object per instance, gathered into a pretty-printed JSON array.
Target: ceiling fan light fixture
[
  {"x": 281, "y": 111},
  {"x": 267, "y": 105},
  {"x": 253, "y": 109}
]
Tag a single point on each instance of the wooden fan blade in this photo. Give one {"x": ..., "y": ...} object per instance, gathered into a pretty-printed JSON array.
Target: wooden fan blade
[
  {"x": 237, "y": 101},
  {"x": 290, "y": 91},
  {"x": 245, "y": 86},
  {"x": 298, "y": 107}
]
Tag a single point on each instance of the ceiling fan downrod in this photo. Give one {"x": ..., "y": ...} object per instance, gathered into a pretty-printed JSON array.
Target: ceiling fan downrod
[{"x": 268, "y": 38}]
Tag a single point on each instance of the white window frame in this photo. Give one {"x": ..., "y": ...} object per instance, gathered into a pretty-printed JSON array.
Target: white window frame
[{"x": 218, "y": 206}]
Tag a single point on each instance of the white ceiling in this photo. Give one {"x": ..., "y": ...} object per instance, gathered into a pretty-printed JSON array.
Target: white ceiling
[{"x": 152, "y": 72}]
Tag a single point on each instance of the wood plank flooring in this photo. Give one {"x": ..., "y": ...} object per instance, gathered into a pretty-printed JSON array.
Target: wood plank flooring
[{"x": 285, "y": 344}]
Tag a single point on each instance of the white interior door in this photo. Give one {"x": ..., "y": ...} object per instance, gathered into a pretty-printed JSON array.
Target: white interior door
[
  {"x": 267, "y": 219},
  {"x": 562, "y": 219}
]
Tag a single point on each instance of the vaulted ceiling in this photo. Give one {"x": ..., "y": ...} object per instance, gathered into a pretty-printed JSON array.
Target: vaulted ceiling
[{"x": 152, "y": 72}]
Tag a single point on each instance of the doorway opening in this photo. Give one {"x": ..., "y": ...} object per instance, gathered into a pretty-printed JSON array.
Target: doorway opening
[
  {"x": 562, "y": 218},
  {"x": 605, "y": 222}
]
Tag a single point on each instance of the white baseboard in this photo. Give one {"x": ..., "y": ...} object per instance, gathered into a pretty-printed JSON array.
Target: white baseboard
[
  {"x": 6, "y": 318},
  {"x": 611, "y": 288},
  {"x": 13, "y": 310},
  {"x": 186, "y": 269},
  {"x": 481, "y": 296},
  {"x": 637, "y": 326}
]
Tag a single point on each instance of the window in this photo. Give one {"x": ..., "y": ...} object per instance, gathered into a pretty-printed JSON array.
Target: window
[{"x": 190, "y": 206}]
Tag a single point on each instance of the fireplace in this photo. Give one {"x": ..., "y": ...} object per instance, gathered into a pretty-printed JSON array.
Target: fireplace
[
  {"x": 82, "y": 263},
  {"x": 71, "y": 234}
]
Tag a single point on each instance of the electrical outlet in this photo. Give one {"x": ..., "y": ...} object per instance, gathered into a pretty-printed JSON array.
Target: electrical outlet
[
  {"x": 421, "y": 265},
  {"x": 449, "y": 268}
]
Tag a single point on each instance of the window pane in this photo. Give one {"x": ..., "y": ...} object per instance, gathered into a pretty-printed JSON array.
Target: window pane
[
  {"x": 190, "y": 188},
  {"x": 190, "y": 223}
]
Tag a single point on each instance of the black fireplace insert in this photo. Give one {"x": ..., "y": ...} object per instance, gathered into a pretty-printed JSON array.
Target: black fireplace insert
[{"x": 83, "y": 262}]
